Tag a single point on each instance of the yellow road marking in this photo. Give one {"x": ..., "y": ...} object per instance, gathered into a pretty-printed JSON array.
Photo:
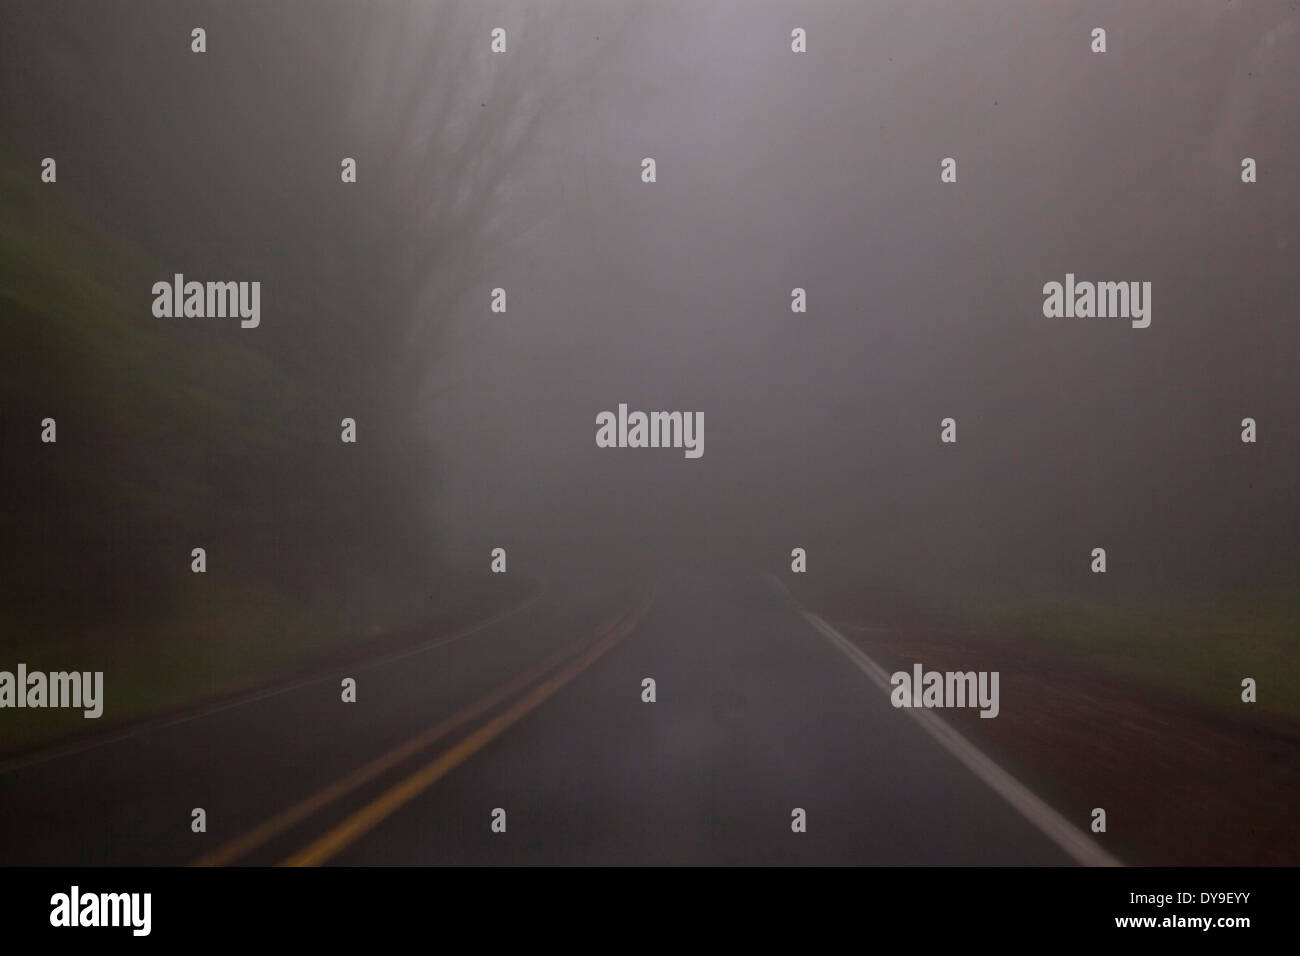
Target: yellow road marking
[
  {"x": 369, "y": 816},
  {"x": 281, "y": 822}
]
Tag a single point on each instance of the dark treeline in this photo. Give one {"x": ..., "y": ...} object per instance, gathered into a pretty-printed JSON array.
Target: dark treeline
[
  {"x": 776, "y": 170},
  {"x": 226, "y": 166}
]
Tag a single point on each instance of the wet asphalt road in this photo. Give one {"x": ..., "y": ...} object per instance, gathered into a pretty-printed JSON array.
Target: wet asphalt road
[{"x": 541, "y": 716}]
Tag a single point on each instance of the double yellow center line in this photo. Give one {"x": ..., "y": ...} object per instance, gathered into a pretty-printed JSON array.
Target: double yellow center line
[{"x": 368, "y": 817}]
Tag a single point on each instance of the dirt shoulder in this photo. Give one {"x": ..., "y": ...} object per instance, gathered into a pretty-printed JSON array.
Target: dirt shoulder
[{"x": 1181, "y": 783}]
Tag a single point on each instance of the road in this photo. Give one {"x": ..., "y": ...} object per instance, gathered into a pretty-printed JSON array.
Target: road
[{"x": 541, "y": 715}]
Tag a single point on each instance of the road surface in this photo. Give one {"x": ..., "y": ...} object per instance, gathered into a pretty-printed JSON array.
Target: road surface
[{"x": 540, "y": 715}]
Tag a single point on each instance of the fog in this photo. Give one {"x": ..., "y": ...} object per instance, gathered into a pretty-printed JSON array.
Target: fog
[
  {"x": 821, "y": 171},
  {"x": 775, "y": 170},
  {"x": 965, "y": 303}
]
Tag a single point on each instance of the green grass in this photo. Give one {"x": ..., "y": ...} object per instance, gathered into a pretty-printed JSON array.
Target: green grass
[
  {"x": 220, "y": 639},
  {"x": 1192, "y": 643},
  {"x": 159, "y": 429},
  {"x": 1198, "y": 646}
]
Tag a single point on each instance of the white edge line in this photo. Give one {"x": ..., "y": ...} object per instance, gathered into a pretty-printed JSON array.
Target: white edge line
[
  {"x": 1062, "y": 832},
  {"x": 112, "y": 737}
]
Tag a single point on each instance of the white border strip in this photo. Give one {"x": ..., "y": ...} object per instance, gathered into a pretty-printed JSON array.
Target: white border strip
[{"x": 1064, "y": 834}]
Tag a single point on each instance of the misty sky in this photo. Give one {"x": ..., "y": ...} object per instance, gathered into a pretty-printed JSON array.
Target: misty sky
[
  {"x": 775, "y": 170},
  {"x": 822, "y": 171}
]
